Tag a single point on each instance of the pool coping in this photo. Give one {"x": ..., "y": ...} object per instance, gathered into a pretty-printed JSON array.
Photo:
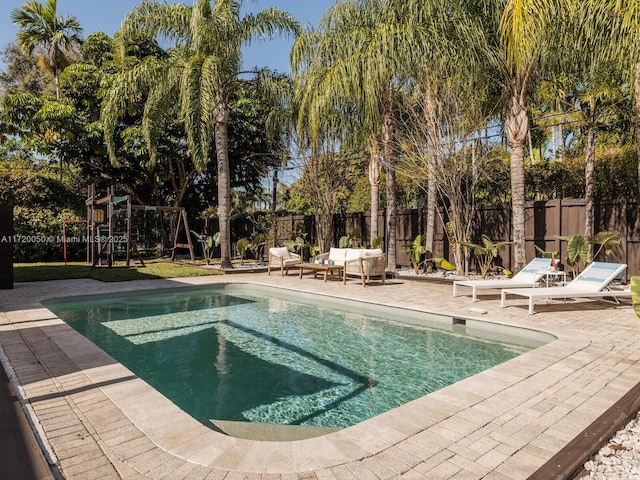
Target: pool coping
[{"x": 505, "y": 422}]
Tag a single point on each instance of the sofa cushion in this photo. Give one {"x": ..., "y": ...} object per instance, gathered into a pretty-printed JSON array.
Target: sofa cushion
[
  {"x": 352, "y": 253},
  {"x": 280, "y": 252},
  {"x": 337, "y": 255},
  {"x": 371, "y": 251}
]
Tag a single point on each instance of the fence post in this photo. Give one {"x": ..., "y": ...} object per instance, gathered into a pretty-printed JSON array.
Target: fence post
[{"x": 6, "y": 247}]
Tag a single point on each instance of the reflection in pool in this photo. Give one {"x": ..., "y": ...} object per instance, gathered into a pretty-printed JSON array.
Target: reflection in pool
[{"x": 247, "y": 353}]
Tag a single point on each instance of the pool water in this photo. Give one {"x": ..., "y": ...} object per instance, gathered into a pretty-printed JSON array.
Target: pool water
[{"x": 260, "y": 355}]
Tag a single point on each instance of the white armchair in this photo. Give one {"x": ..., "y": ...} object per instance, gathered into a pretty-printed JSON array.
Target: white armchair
[
  {"x": 282, "y": 258},
  {"x": 369, "y": 264}
]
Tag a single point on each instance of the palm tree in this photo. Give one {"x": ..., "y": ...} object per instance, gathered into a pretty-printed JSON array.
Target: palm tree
[
  {"x": 201, "y": 72},
  {"x": 616, "y": 25},
  {"x": 601, "y": 48},
  {"x": 352, "y": 65},
  {"x": 438, "y": 61},
  {"x": 515, "y": 39},
  {"x": 41, "y": 26}
]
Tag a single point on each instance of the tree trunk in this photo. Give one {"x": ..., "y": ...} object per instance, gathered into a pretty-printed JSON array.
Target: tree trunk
[
  {"x": 56, "y": 76},
  {"x": 324, "y": 223},
  {"x": 388, "y": 135},
  {"x": 516, "y": 129},
  {"x": 637, "y": 105},
  {"x": 181, "y": 180},
  {"x": 433, "y": 142},
  {"x": 374, "y": 182},
  {"x": 589, "y": 175},
  {"x": 561, "y": 138},
  {"x": 224, "y": 184}
]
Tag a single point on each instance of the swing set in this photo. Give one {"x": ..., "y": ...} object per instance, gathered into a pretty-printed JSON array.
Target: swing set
[{"x": 103, "y": 238}]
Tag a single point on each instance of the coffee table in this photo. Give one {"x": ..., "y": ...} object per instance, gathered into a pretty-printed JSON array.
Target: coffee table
[{"x": 323, "y": 268}]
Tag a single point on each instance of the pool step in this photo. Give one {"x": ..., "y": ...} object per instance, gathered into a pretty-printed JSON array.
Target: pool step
[{"x": 269, "y": 431}]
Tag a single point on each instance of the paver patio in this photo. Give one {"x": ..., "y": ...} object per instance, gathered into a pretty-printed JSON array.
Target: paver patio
[{"x": 98, "y": 420}]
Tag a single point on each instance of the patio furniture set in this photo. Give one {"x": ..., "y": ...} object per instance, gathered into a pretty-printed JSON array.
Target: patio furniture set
[
  {"x": 535, "y": 281},
  {"x": 339, "y": 263}
]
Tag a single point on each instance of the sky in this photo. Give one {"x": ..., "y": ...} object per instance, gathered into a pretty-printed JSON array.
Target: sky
[{"x": 106, "y": 16}]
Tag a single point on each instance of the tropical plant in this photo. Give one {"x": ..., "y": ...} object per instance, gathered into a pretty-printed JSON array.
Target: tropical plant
[
  {"x": 207, "y": 242},
  {"x": 486, "y": 252},
  {"x": 349, "y": 240},
  {"x": 615, "y": 24},
  {"x": 242, "y": 246},
  {"x": 635, "y": 294},
  {"x": 606, "y": 240},
  {"x": 345, "y": 242},
  {"x": 41, "y": 26},
  {"x": 547, "y": 253},
  {"x": 416, "y": 250},
  {"x": 199, "y": 74},
  {"x": 258, "y": 241},
  {"x": 444, "y": 264},
  {"x": 297, "y": 244},
  {"x": 314, "y": 250},
  {"x": 577, "y": 250},
  {"x": 376, "y": 242},
  {"x": 579, "y": 247}
]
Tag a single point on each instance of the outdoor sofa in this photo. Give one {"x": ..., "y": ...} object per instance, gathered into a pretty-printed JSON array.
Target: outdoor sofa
[{"x": 363, "y": 263}]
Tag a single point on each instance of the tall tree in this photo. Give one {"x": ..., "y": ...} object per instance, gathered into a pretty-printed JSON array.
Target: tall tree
[
  {"x": 515, "y": 39},
  {"x": 202, "y": 70},
  {"x": 616, "y": 24},
  {"x": 22, "y": 73},
  {"x": 41, "y": 27},
  {"x": 352, "y": 65},
  {"x": 601, "y": 48}
]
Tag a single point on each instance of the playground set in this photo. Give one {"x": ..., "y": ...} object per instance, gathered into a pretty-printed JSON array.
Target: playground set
[{"x": 106, "y": 237}]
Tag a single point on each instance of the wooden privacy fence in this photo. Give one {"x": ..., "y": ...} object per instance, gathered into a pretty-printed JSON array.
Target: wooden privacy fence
[{"x": 544, "y": 221}]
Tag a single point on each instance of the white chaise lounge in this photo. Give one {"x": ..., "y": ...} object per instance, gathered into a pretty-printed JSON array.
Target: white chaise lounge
[
  {"x": 593, "y": 282},
  {"x": 527, "y": 277}
]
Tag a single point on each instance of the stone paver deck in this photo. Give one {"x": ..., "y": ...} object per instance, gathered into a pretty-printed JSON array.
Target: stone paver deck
[{"x": 98, "y": 420}]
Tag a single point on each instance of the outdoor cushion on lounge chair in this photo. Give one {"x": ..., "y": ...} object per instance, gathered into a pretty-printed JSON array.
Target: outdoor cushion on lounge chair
[
  {"x": 590, "y": 283},
  {"x": 282, "y": 258},
  {"x": 527, "y": 277}
]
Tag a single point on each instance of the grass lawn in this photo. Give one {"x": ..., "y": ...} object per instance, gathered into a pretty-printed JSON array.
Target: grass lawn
[{"x": 31, "y": 272}]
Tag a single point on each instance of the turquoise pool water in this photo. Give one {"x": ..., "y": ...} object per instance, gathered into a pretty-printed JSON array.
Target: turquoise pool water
[{"x": 264, "y": 355}]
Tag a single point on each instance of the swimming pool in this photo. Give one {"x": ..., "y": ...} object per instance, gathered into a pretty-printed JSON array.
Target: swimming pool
[{"x": 255, "y": 354}]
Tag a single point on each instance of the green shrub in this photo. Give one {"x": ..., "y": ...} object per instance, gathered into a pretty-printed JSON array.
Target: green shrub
[{"x": 38, "y": 235}]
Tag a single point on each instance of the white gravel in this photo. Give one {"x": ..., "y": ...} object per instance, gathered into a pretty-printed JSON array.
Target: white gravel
[{"x": 619, "y": 459}]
